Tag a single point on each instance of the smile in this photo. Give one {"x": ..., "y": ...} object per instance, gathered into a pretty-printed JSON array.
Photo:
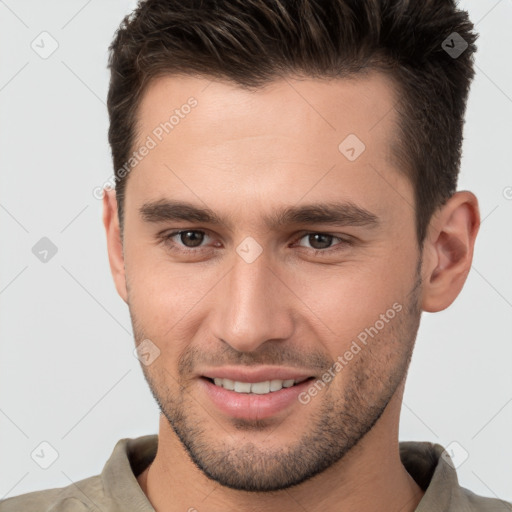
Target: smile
[{"x": 258, "y": 388}]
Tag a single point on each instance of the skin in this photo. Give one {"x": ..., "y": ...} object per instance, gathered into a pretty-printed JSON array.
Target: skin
[{"x": 243, "y": 155}]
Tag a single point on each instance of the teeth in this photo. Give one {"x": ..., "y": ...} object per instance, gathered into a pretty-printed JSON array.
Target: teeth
[
  {"x": 227, "y": 383},
  {"x": 261, "y": 388},
  {"x": 276, "y": 385},
  {"x": 258, "y": 388},
  {"x": 242, "y": 387}
]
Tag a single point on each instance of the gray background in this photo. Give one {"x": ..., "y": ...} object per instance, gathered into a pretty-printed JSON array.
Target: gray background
[{"x": 68, "y": 374}]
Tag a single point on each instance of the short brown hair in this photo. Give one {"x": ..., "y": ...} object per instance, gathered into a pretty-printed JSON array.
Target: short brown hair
[{"x": 253, "y": 42}]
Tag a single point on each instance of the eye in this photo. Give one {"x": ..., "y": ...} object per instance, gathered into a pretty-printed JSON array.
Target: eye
[
  {"x": 322, "y": 242},
  {"x": 186, "y": 240}
]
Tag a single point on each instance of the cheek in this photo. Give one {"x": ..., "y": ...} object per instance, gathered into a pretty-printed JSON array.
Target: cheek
[
  {"x": 160, "y": 292},
  {"x": 344, "y": 301},
  {"x": 168, "y": 301}
]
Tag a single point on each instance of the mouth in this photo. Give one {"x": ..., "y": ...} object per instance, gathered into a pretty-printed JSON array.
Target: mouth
[
  {"x": 253, "y": 398},
  {"x": 256, "y": 388}
]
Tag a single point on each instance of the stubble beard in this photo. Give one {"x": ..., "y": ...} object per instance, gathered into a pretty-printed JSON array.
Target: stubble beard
[{"x": 344, "y": 416}]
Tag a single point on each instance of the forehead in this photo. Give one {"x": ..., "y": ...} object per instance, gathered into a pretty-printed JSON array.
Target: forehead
[
  {"x": 214, "y": 140},
  {"x": 284, "y": 107}
]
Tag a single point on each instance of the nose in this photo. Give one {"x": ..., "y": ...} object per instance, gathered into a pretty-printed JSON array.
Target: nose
[{"x": 253, "y": 305}]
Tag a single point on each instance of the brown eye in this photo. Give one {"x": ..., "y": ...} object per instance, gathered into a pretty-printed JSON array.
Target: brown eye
[
  {"x": 191, "y": 238},
  {"x": 185, "y": 241},
  {"x": 320, "y": 240},
  {"x": 323, "y": 242}
]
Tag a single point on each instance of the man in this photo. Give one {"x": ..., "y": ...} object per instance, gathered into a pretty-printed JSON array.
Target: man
[{"x": 285, "y": 209}]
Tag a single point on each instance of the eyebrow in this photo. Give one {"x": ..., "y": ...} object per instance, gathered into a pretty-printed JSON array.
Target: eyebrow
[{"x": 335, "y": 214}]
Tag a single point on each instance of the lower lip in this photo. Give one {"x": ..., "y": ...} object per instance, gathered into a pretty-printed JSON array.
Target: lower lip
[{"x": 251, "y": 406}]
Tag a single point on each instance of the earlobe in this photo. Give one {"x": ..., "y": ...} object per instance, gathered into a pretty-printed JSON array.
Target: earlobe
[
  {"x": 114, "y": 243},
  {"x": 448, "y": 251}
]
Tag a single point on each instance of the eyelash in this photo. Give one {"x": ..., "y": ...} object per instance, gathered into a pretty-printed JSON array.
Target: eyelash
[{"x": 167, "y": 241}]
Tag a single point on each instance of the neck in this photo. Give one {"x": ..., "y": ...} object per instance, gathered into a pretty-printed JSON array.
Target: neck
[{"x": 369, "y": 478}]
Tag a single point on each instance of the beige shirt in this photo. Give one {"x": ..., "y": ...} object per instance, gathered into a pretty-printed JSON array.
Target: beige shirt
[{"x": 116, "y": 489}]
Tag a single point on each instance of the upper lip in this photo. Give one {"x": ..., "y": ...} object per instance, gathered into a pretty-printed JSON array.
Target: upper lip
[{"x": 255, "y": 374}]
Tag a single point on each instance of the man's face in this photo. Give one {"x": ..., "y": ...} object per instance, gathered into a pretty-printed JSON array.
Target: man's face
[{"x": 251, "y": 300}]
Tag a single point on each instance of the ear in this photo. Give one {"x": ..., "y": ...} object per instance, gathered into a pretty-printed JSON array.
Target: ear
[
  {"x": 448, "y": 250},
  {"x": 114, "y": 243}
]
